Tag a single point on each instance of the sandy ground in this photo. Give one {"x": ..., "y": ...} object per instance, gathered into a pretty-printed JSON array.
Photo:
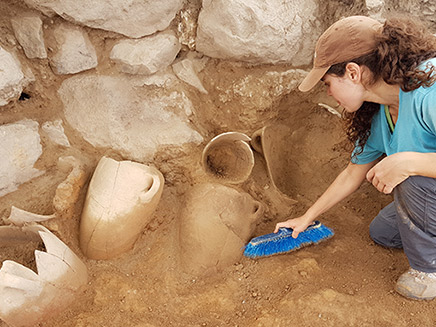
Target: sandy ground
[{"x": 345, "y": 281}]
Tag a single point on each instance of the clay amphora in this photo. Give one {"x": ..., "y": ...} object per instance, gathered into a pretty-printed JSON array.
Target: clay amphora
[
  {"x": 228, "y": 158},
  {"x": 121, "y": 199},
  {"x": 215, "y": 224}
]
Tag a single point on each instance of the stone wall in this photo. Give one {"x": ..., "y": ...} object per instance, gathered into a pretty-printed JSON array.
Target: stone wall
[
  {"x": 133, "y": 73},
  {"x": 137, "y": 76}
]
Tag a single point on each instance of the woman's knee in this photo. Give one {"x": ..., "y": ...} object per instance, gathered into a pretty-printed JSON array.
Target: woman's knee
[
  {"x": 384, "y": 232},
  {"x": 418, "y": 183}
]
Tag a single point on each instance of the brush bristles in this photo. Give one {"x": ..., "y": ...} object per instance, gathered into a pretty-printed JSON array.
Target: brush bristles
[{"x": 282, "y": 242}]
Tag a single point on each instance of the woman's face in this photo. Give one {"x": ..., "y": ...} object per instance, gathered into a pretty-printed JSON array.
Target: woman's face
[{"x": 347, "y": 91}]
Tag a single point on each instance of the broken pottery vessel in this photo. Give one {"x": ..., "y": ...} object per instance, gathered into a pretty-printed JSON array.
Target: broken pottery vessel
[
  {"x": 19, "y": 217},
  {"x": 28, "y": 298},
  {"x": 215, "y": 224},
  {"x": 273, "y": 143},
  {"x": 228, "y": 157},
  {"x": 121, "y": 199}
]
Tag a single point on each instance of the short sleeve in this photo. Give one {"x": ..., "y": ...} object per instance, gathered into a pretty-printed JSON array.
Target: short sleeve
[
  {"x": 429, "y": 111},
  {"x": 369, "y": 154}
]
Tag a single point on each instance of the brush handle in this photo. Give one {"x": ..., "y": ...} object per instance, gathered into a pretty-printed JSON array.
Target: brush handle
[{"x": 314, "y": 225}]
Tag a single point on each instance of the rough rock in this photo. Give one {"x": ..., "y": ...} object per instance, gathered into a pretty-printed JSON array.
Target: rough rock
[
  {"x": 422, "y": 10},
  {"x": 55, "y": 132},
  {"x": 126, "y": 115},
  {"x": 12, "y": 79},
  {"x": 68, "y": 192},
  {"x": 257, "y": 91},
  {"x": 133, "y": 18},
  {"x": 271, "y": 31},
  {"x": 375, "y": 8},
  {"x": 187, "y": 27},
  {"x": 28, "y": 31},
  {"x": 73, "y": 52},
  {"x": 20, "y": 148},
  {"x": 147, "y": 55},
  {"x": 187, "y": 70}
]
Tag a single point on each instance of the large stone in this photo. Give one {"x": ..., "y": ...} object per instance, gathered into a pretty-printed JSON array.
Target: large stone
[
  {"x": 271, "y": 31},
  {"x": 20, "y": 148},
  {"x": 28, "y": 31},
  {"x": 12, "y": 79},
  {"x": 147, "y": 55},
  {"x": 73, "y": 52},
  {"x": 254, "y": 89},
  {"x": 133, "y": 18},
  {"x": 424, "y": 10},
  {"x": 124, "y": 114}
]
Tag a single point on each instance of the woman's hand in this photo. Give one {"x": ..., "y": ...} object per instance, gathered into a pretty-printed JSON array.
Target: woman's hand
[
  {"x": 297, "y": 224},
  {"x": 345, "y": 184},
  {"x": 390, "y": 171}
]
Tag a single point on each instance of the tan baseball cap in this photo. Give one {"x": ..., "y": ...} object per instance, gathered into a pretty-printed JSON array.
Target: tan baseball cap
[{"x": 347, "y": 39}]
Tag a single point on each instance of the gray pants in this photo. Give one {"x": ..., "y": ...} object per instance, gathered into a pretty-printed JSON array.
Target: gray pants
[{"x": 410, "y": 222}]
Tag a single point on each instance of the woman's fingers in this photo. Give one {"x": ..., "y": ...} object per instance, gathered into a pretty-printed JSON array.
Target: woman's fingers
[
  {"x": 296, "y": 228},
  {"x": 278, "y": 226},
  {"x": 295, "y": 233},
  {"x": 387, "y": 189},
  {"x": 370, "y": 175},
  {"x": 285, "y": 224}
]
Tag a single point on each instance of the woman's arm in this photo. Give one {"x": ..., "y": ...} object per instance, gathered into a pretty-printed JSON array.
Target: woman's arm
[
  {"x": 345, "y": 184},
  {"x": 395, "y": 168}
]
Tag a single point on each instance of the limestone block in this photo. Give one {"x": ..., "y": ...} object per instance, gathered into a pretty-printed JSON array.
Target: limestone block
[
  {"x": 73, "y": 52},
  {"x": 215, "y": 224},
  {"x": 147, "y": 55},
  {"x": 28, "y": 298},
  {"x": 20, "y": 148},
  {"x": 127, "y": 115},
  {"x": 271, "y": 31},
  {"x": 187, "y": 70},
  {"x": 133, "y": 18},
  {"x": 121, "y": 199},
  {"x": 28, "y": 31},
  {"x": 12, "y": 79},
  {"x": 55, "y": 132}
]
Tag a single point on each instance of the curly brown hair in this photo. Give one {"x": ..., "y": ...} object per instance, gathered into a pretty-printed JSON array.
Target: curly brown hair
[{"x": 402, "y": 46}]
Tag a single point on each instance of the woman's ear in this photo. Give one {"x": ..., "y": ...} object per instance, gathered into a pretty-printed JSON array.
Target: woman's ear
[{"x": 353, "y": 71}]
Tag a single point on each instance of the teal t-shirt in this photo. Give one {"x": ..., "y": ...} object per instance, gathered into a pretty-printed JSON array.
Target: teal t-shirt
[{"x": 415, "y": 129}]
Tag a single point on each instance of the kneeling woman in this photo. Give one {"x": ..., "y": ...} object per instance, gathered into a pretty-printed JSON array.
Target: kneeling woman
[{"x": 384, "y": 76}]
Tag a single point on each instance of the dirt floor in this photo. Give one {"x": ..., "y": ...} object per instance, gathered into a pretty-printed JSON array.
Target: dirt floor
[{"x": 345, "y": 281}]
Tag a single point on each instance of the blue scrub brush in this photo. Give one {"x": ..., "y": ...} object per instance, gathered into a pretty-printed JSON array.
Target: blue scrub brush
[{"x": 282, "y": 241}]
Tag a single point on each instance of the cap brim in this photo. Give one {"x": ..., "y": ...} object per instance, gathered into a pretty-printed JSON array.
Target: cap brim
[{"x": 312, "y": 78}]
